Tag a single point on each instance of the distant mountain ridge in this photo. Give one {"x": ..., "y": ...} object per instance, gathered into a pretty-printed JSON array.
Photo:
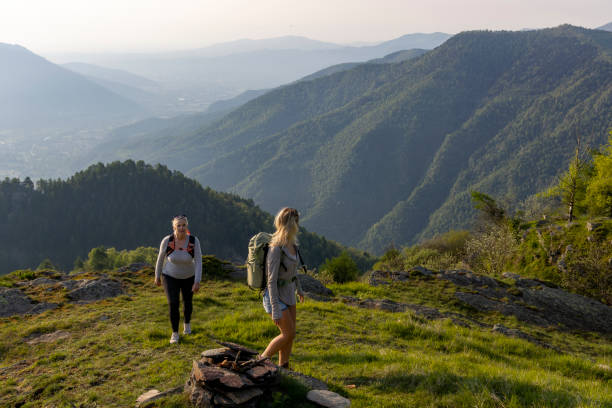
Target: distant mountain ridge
[
  {"x": 225, "y": 70},
  {"x": 34, "y": 90},
  {"x": 606, "y": 27},
  {"x": 388, "y": 153}
]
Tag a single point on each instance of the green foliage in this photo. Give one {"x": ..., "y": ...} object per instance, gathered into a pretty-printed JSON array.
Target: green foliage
[
  {"x": 452, "y": 242},
  {"x": 599, "y": 189},
  {"x": 98, "y": 259},
  {"x": 46, "y": 264},
  {"x": 341, "y": 268},
  {"x": 212, "y": 267},
  {"x": 488, "y": 207},
  {"x": 444, "y": 251},
  {"x": 569, "y": 255},
  {"x": 391, "y": 260},
  {"x": 572, "y": 185}
]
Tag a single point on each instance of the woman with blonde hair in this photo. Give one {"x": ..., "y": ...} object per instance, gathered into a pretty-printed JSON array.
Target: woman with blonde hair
[
  {"x": 180, "y": 263},
  {"x": 279, "y": 298}
]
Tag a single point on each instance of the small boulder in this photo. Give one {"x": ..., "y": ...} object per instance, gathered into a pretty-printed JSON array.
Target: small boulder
[
  {"x": 313, "y": 286},
  {"x": 15, "y": 302},
  {"x": 421, "y": 270},
  {"x": 328, "y": 399},
  {"x": 97, "y": 289}
]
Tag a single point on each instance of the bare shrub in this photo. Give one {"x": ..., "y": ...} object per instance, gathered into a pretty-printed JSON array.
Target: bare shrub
[{"x": 491, "y": 249}]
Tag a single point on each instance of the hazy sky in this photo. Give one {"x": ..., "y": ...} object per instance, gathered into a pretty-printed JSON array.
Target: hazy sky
[{"x": 50, "y": 26}]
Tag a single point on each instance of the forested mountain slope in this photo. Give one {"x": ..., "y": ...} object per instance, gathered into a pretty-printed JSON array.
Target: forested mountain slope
[
  {"x": 384, "y": 154},
  {"x": 126, "y": 205}
]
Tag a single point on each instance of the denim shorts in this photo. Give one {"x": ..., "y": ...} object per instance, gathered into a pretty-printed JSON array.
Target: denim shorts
[{"x": 266, "y": 303}]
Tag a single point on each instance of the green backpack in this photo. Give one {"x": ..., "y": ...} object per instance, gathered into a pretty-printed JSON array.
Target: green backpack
[{"x": 256, "y": 260}]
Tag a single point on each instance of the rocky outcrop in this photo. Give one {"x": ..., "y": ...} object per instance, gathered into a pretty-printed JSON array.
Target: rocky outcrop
[
  {"x": 89, "y": 290},
  {"x": 15, "y": 302},
  {"x": 313, "y": 288},
  {"x": 532, "y": 301},
  {"x": 376, "y": 278}
]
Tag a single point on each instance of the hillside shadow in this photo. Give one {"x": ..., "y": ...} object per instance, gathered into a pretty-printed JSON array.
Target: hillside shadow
[
  {"x": 349, "y": 358},
  {"x": 439, "y": 383},
  {"x": 207, "y": 301}
]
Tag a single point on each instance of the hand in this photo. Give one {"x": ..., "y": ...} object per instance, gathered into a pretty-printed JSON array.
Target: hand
[
  {"x": 301, "y": 298},
  {"x": 158, "y": 281},
  {"x": 276, "y": 321},
  {"x": 195, "y": 287}
]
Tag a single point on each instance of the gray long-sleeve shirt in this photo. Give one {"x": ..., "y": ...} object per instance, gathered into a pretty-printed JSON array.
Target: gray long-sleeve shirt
[
  {"x": 282, "y": 283},
  {"x": 179, "y": 264}
]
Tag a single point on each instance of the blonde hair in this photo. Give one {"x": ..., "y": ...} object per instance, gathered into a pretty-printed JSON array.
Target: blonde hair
[
  {"x": 286, "y": 223},
  {"x": 178, "y": 218}
]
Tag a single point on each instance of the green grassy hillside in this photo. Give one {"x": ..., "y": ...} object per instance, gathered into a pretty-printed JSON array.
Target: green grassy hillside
[{"x": 113, "y": 350}]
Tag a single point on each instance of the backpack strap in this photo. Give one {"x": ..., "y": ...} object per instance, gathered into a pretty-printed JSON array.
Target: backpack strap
[
  {"x": 170, "y": 246},
  {"x": 191, "y": 246},
  {"x": 297, "y": 251}
]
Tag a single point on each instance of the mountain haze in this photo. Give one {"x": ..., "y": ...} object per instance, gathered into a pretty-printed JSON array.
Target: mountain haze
[
  {"x": 225, "y": 70},
  {"x": 36, "y": 92},
  {"x": 606, "y": 27}
]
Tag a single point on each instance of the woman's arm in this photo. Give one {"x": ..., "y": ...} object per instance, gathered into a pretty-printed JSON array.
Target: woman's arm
[
  {"x": 161, "y": 256},
  {"x": 197, "y": 258},
  {"x": 273, "y": 264}
]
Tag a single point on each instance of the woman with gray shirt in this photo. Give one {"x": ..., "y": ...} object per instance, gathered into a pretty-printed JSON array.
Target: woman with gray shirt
[
  {"x": 282, "y": 284},
  {"x": 180, "y": 263}
]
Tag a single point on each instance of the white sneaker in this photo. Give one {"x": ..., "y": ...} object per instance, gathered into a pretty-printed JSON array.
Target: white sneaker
[
  {"x": 187, "y": 329},
  {"x": 174, "y": 338}
]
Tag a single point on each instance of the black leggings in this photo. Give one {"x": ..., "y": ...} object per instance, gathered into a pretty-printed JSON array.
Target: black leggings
[{"x": 173, "y": 287}]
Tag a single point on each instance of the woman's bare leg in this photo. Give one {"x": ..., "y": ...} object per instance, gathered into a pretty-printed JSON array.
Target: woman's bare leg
[
  {"x": 285, "y": 351},
  {"x": 287, "y": 329}
]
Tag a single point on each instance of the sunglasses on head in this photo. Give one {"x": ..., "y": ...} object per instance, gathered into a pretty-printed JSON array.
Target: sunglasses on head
[{"x": 293, "y": 212}]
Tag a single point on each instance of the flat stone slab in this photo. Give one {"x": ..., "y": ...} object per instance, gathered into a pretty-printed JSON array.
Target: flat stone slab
[
  {"x": 49, "y": 337},
  {"x": 154, "y": 394},
  {"x": 328, "y": 399},
  {"x": 306, "y": 380}
]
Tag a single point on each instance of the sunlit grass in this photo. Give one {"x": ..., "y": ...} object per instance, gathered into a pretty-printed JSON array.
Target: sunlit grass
[{"x": 119, "y": 348}]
